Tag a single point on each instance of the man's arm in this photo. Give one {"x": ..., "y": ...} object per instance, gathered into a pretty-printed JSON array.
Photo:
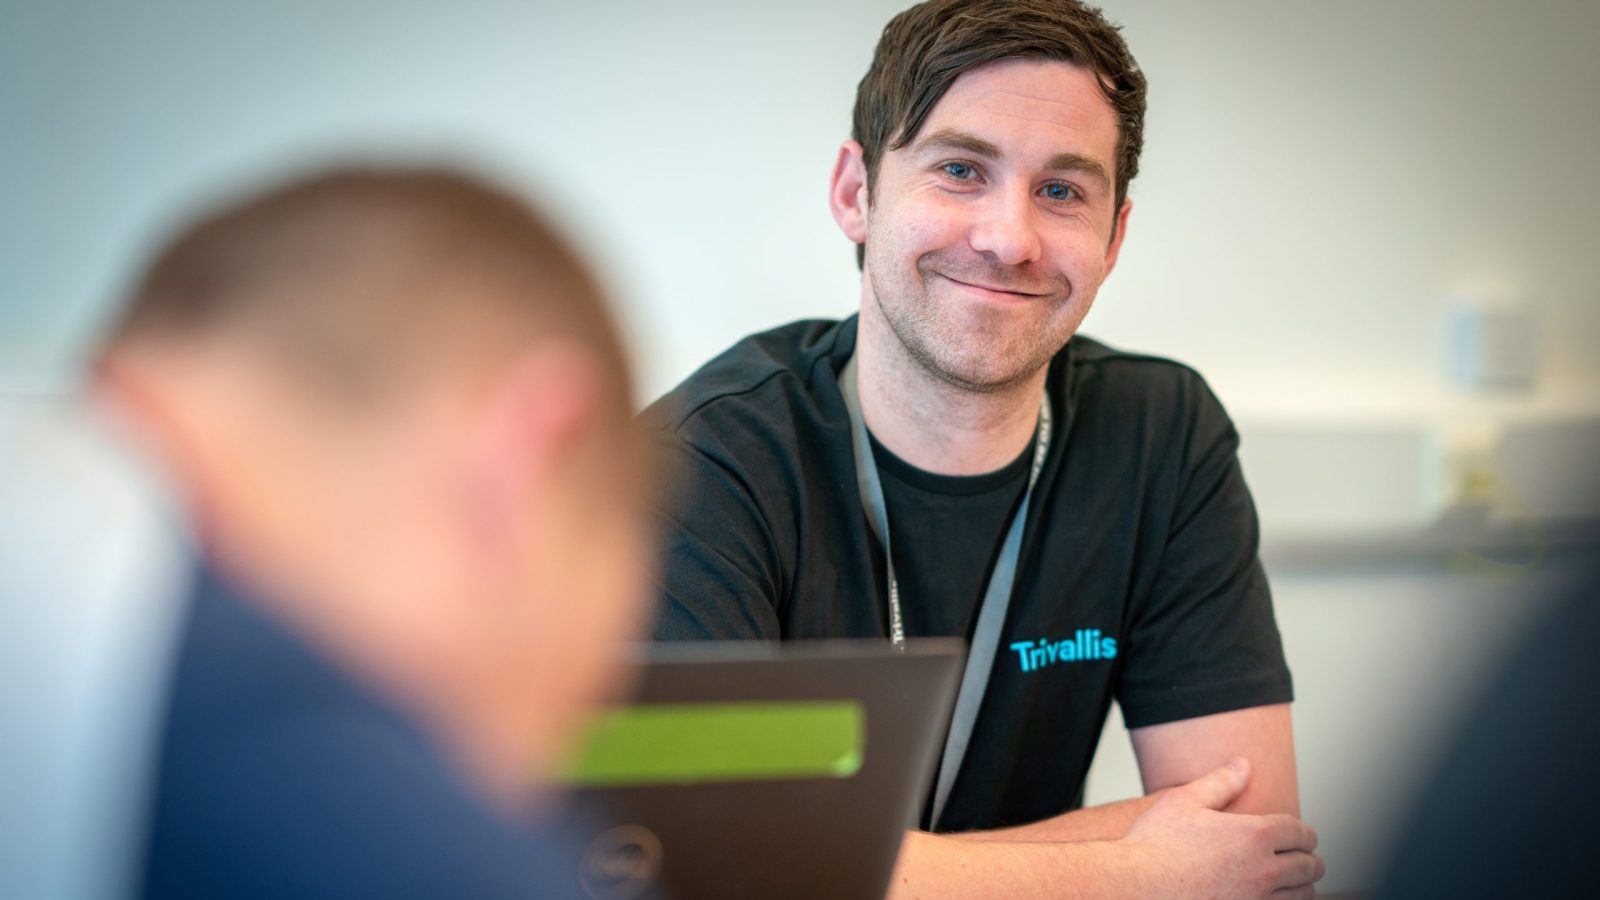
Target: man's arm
[
  {"x": 720, "y": 569},
  {"x": 1106, "y": 822},
  {"x": 1177, "y": 753},
  {"x": 1182, "y": 845}
]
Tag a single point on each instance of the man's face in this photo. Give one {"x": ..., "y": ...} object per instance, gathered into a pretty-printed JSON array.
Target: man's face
[{"x": 988, "y": 235}]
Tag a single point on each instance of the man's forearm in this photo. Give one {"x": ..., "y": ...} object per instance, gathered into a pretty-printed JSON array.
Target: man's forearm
[
  {"x": 1107, "y": 822},
  {"x": 943, "y": 866},
  {"x": 1181, "y": 845}
]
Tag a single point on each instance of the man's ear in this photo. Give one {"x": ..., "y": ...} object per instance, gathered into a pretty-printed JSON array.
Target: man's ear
[
  {"x": 847, "y": 192},
  {"x": 1120, "y": 226},
  {"x": 533, "y": 418},
  {"x": 141, "y": 384}
]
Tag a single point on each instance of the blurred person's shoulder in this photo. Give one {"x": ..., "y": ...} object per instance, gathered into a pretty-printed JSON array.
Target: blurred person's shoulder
[
  {"x": 281, "y": 775},
  {"x": 1508, "y": 808}
]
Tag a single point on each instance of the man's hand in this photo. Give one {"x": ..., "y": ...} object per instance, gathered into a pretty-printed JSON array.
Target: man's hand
[
  {"x": 1181, "y": 846},
  {"x": 1191, "y": 849}
]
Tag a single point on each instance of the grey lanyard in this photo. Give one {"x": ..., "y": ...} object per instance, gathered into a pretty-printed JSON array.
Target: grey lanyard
[{"x": 996, "y": 598}]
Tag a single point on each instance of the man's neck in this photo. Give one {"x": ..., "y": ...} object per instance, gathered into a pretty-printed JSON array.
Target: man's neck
[{"x": 930, "y": 423}]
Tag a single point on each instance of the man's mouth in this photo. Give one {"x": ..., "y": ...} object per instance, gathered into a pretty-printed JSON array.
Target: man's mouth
[{"x": 993, "y": 291}]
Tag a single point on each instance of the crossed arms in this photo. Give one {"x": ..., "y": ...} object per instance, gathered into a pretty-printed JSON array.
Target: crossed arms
[{"x": 1202, "y": 829}]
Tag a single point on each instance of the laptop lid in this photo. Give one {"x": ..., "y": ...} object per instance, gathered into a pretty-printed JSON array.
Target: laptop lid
[{"x": 772, "y": 770}]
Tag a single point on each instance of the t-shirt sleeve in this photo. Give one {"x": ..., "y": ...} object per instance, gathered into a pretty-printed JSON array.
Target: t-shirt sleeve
[
  {"x": 720, "y": 576},
  {"x": 1204, "y": 640}
]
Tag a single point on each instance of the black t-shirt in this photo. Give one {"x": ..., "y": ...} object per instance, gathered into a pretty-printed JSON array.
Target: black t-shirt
[
  {"x": 1138, "y": 578},
  {"x": 938, "y": 529}
]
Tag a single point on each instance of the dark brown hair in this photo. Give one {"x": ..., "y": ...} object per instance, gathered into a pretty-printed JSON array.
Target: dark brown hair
[
  {"x": 924, "y": 49},
  {"x": 356, "y": 277}
]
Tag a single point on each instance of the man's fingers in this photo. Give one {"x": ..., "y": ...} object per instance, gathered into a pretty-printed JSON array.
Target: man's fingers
[
  {"x": 1217, "y": 788},
  {"x": 1298, "y": 869},
  {"x": 1289, "y": 833}
]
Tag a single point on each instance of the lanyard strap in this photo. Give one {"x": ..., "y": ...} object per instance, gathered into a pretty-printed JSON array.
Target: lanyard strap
[{"x": 996, "y": 597}]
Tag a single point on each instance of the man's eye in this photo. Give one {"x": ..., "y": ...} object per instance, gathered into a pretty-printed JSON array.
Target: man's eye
[
  {"x": 958, "y": 170},
  {"x": 1059, "y": 191}
]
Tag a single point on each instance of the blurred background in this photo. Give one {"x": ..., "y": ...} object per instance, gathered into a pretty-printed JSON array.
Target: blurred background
[{"x": 1371, "y": 226}]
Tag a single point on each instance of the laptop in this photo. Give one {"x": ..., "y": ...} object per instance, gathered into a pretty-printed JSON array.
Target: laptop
[{"x": 764, "y": 770}]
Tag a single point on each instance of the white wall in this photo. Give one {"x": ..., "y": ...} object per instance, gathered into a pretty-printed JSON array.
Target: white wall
[
  {"x": 1319, "y": 180},
  {"x": 687, "y": 144}
]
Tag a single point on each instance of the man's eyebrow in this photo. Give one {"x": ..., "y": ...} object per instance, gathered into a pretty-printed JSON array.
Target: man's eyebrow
[
  {"x": 958, "y": 140},
  {"x": 1088, "y": 165},
  {"x": 950, "y": 139}
]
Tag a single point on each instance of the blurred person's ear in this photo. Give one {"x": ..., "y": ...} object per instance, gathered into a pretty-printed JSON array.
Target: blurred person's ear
[
  {"x": 135, "y": 385},
  {"x": 551, "y": 556},
  {"x": 536, "y": 416}
]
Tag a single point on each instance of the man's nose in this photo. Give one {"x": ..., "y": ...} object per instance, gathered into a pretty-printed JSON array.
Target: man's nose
[{"x": 1007, "y": 228}]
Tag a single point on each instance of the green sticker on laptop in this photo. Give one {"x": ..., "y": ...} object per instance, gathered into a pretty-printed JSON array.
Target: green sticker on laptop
[{"x": 694, "y": 743}]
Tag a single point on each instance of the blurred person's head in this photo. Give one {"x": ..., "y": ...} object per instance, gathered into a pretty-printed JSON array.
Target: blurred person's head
[{"x": 399, "y": 412}]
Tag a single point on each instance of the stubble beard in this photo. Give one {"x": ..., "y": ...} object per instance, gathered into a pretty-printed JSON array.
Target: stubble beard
[{"x": 972, "y": 359}]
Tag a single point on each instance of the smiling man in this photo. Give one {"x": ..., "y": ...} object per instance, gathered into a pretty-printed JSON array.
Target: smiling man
[{"x": 956, "y": 460}]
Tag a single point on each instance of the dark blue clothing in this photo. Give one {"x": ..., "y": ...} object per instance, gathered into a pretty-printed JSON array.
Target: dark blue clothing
[
  {"x": 1510, "y": 810},
  {"x": 281, "y": 777}
]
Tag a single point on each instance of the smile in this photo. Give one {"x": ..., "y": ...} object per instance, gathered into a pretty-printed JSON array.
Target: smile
[{"x": 992, "y": 293}]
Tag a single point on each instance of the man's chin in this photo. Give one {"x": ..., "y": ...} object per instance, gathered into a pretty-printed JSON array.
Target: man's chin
[
  {"x": 983, "y": 376},
  {"x": 974, "y": 354}
]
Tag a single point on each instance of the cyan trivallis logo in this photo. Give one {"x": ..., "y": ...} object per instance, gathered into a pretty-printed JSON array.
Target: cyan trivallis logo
[{"x": 1085, "y": 645}]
